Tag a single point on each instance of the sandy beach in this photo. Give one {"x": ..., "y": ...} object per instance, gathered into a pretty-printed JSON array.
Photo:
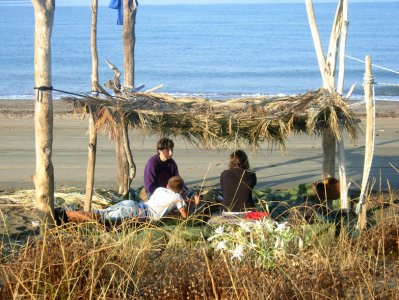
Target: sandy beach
[{"x": 300, "y": 163}]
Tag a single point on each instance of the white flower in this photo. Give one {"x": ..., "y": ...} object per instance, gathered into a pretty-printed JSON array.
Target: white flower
[
  {"x": 279, "y": 244},
  {"x": 237, "y": 252},
  {"x": 221, "y": 245},
  {"x": 281, "y": 227},
  {"x": 219, "y": 230},
  {"x": 300, "y": 244},
  {"x": 245, "y": 226},
  {"x": 269, "y": 225},
  {"x": 258, "y": 225},
  {"x": 252, "y": 245}
]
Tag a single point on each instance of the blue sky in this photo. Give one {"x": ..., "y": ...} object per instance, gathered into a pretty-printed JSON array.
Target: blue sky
[{"x": 168, "y": 2}]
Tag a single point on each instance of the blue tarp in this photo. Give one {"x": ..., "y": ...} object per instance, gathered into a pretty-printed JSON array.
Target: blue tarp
[{"x": 117, "y": 4}]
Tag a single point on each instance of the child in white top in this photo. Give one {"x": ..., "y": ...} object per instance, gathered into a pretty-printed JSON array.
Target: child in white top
[{"x": 161, "y": 202}]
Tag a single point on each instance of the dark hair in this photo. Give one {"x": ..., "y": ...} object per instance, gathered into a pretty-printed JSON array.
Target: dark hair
[
  {"x": 165, "y": 143},
  {"x": 176, "y": 184},
  {"x": 239, "y": 159}
]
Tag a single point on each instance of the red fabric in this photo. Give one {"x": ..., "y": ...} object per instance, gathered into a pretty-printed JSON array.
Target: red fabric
[{"x": 256, "y": 215}]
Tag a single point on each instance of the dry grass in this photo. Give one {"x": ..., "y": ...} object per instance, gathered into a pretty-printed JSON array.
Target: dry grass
[{"x": 174, "y": 262}]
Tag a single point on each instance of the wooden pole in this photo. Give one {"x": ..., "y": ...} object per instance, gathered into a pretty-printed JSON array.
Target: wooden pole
[
  {"x": 121, "y": 156},
  {"x": 129, "y": 155},
  {"x": 333, "y": 44},
  {"x": 44, "y": 172},
  {"x": 327, "y": 74},
  {"x": 93, "y": 44},
  {"x": 340, "y": 85},
  {"x": 327, "y": 84},
  {"x": 329, "y": 147},
  {"x": 91, "y": 159},
  {"x": 370, "y": 135},
  {"x": 342, "y": 47},
  {"x": 124, "y": 157},
  {"x": 129, "y": 40}
]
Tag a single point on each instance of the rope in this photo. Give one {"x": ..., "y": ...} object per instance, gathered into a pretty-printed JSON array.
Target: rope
[
  {"x": 357, "y": 103},
  {"x": 386, "y": 84},
  {"x": 369, "y": 79},
  {"x": 377, "y": 66},
  {"x": 42, "y": 89}
]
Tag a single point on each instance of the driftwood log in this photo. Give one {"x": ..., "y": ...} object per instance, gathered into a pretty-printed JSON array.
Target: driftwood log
[{"x": 44, "y": 171}]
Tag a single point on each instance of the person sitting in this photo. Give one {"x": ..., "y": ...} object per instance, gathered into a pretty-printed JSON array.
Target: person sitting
[
  {"x": 159, "y": 168},
  {"x": 161, "y": 203},
  {"x": 237, "y": 183}
]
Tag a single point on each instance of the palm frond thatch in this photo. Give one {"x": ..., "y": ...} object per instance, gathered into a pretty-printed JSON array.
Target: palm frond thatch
[{"x": 217, "y": 123}]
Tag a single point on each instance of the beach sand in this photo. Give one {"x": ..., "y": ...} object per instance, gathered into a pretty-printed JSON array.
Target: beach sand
[{"x": 300, "y": 163}]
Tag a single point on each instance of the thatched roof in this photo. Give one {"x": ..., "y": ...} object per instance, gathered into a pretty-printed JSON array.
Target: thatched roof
[{"x": 217, "y": 123}]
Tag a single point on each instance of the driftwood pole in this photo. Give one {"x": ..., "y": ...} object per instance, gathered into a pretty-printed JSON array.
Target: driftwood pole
[
  {"x": 327, "y": 71},
  {"x": 340, "y": 85},
  {"x": 129, "y": 40},
  {"x": 92, "y": 147},
  {"x": 126, "y": 166},
  {"x": 317, "y": 45},
  {"x": 44, "y": 173},
  {"x": 370, "y": 135}
]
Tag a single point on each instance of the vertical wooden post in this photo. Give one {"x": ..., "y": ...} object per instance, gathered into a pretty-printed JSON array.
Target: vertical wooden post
[
  {"x": 370, "y": 135},
  {"x": 329, "y": 146},
  {"x": 91, "y": 159},
  {"x": 44, "y": 172},
  {"x": 327, "y": 70},
  {"x": 91, "y": 163},
  {"x": 129, "y": 155},
  {"x": 342, "y": 47},
  {"x": 123, "y": 165},
  {"x": 340, "y": 85},
  {"x": 125, "y": 159},
  {"x": 129, "y": 40},
  {"x": 317, "y": 45}
]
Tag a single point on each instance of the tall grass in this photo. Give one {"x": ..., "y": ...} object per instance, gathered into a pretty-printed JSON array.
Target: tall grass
[{"x": 146, "y": 261}]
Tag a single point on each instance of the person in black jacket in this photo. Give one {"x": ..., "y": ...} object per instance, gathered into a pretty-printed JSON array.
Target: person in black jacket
[{"x": 237, "y": 183}]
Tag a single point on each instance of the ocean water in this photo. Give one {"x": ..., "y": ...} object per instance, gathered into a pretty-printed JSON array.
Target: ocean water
[{"x": 216, "y": 51}]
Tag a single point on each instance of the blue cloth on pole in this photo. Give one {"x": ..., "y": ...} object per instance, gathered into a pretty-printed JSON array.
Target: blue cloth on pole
[{"x": 117, "y": 4}]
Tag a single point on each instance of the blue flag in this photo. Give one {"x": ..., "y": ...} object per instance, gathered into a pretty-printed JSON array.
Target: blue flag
[{"x": 117, "y": 4}]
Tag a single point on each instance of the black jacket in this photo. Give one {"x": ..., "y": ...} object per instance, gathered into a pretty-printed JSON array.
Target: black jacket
[{"x": 237, "y": 185}]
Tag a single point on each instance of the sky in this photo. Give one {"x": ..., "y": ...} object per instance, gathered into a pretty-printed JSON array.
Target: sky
[{"x": 169, "y": 2}]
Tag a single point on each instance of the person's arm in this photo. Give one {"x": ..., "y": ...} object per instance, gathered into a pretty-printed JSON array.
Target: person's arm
[
  {"x": 150, "y": 176},
  {"x": 82, "y": 216},
  {"x": 174, "y": 170},
  {"x": 183, "y": 212}
]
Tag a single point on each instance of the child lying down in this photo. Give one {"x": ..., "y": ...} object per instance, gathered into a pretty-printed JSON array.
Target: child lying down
[{"x": 161, "y": 203}]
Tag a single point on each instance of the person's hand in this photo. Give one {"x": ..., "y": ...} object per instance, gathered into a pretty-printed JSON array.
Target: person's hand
[{"x": 196, "y": 199}]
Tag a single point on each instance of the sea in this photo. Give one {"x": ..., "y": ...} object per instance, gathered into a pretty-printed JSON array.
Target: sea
[{"x": 217, "y": 51}]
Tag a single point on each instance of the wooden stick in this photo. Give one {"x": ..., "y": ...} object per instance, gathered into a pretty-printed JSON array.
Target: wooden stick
[
  {"x": 370, "y": 135},
  {"x": 154, "y": 88},
  {"x": 342, "y": 48},
  {"x": 91, "y": 157},
  {"x": 334, "y": 40},
  {"x": 129, "y": 155},
  {"x": 340, "y": 143},
  {"x": 318, "y": 46},
  {"x": 91, "y": 162}
]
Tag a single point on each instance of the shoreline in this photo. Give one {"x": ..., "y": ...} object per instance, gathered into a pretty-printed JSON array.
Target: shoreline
[{"x": 300, "y": 163}]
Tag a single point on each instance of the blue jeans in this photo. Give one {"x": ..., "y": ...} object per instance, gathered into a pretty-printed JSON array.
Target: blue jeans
[{"x": 123, "y": 210}]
